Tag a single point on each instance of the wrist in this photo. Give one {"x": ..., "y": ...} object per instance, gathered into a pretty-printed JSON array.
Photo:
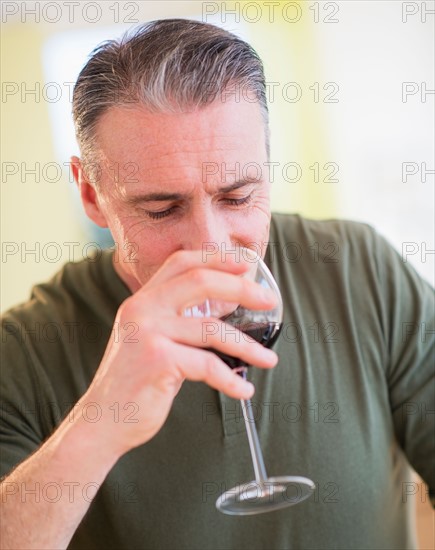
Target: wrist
[{"x": 88, "y": 433}]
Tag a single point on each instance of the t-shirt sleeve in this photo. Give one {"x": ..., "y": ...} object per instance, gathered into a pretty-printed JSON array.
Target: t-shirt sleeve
[
  {"x": 21, "y": 426},
  {"x": 409, "y": 309}
]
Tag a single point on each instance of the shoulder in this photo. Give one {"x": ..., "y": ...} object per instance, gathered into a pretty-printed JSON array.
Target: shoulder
[
  {"x": 343, "y": 256},
  {"x": 294, "y": 226},
  {"x": 84, "y": 286},
  {"x": 53, "y": 343},
  {"x": 329, "y": 241},
  {"x": 65, "y": 323}
]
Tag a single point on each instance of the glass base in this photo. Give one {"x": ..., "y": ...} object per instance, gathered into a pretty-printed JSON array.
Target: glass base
[{"x": 267, "y": 496}]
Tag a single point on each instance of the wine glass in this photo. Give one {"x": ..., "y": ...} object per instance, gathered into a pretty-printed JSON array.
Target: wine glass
[{"x": 266, "y": 493}]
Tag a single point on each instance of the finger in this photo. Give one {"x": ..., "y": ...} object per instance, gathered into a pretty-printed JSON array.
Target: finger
[
  {"x": 217, "y": 335},
  {"x": 204, "y": 366},
  {"x": 185, "y": 260},
  {"x": 197, "y": 285}
]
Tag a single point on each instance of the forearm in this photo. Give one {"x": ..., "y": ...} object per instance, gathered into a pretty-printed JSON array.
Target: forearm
[{"x": 45, "y": 498}]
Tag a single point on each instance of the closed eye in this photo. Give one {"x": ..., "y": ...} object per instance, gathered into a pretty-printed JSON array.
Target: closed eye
[
  {"x": 239, "y": 202},
  {"x": 161, "y": 214},
  {"x": 169, "y": 211}
]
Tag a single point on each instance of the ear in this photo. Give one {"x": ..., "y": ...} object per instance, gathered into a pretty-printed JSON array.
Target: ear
[{"x": 88, "y": 193}]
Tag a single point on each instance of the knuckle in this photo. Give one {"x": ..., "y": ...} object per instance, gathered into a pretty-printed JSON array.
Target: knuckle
[
  {"x": 210, "y": 365},
  {"x": 146, "y": 325},
  {"x": 199, "y": 277},
  {"x": 180, "y": 259},
  {"x": 132, "y": 310},
  {"x": 154, "y": 347},
  {"x": 127, "y": 310}
]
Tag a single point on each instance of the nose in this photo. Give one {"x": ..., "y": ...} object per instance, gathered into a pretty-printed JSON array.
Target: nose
[{"x": 205, "y": 229}]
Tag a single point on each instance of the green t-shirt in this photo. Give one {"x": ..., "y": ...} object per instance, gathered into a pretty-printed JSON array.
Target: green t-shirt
[{"x": 350, "y": 404}]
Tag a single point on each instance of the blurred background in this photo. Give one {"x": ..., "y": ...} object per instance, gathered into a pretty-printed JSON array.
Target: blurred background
[{"x": 351, "y": 97}]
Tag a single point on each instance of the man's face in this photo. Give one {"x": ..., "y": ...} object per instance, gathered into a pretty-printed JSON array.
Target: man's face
[{"x": 180, "y": 181}]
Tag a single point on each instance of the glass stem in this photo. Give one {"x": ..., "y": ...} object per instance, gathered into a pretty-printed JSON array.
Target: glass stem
[{"x": 254, "y": 443}]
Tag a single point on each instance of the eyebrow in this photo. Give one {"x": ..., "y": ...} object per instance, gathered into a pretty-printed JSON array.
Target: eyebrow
[{"x": 160, "y": 196}]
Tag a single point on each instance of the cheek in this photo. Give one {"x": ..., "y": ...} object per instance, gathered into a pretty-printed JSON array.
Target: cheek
[
  {"x": 261, "y": 225},
  {"x": 140, "y": 249},
  {"x": 253, "y": 230},
  {"x": 151, "y": 249}
]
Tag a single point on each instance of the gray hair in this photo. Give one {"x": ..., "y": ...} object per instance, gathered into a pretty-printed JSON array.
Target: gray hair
[{"x": 170, "y": 65}]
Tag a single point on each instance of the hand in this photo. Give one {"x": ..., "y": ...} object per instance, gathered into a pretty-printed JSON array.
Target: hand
[{"x": 150, "y": 371}]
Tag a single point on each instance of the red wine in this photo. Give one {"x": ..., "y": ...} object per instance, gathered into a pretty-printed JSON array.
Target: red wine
[{"x": 264, "y": 333}]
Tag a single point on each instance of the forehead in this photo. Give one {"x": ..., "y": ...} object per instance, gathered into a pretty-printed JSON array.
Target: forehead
[{"x": 222, "y": 130}]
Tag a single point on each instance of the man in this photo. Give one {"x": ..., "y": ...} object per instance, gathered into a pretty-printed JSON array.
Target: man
[{"x": 126, "y": 441}]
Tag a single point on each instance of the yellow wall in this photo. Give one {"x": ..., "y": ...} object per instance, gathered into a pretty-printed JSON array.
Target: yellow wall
[
  {"x": 31, "y": 212},
  {"x": 298, "y": 128}
]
